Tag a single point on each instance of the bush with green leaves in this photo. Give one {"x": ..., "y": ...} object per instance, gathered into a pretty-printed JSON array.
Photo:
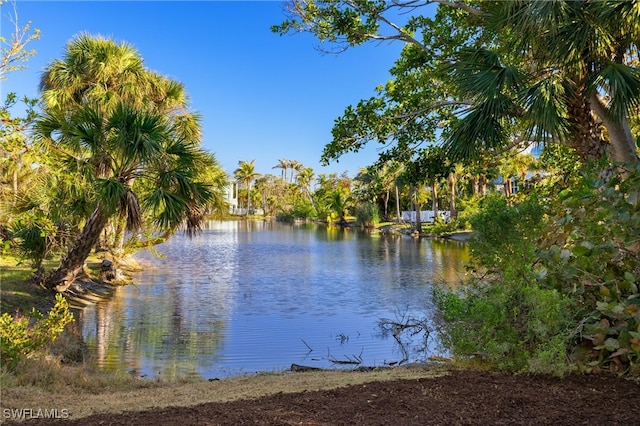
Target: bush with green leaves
[
  {"x": 303, "y": 209},
  {"x": 590, "y": 250},
  {"x": 503, "y": 316},
  {"x": 557, "y": 276},
  {"x": 36, "y": 238},
  {"x": 511, "y": 325},
  {"x": 24, "y": 335},
  {"x": 366, "y": 214},
  {"x": 441, "y": 226},
  {"x": 505, "y": 233}
]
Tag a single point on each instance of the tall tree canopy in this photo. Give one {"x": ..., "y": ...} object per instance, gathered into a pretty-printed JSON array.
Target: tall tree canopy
[
  {"x": 130, "y": 133},
  {"x": 480, "y": 77}
]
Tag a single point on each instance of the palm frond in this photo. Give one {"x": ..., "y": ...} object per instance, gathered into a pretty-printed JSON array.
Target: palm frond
[
  {"x": 193, "y": 222},
  {"x": 112, "y": 194},
  {"x": 168, "y": 208},
  {"x": 139, "y": 135},
  {"x": 546, "y": 108},
  {"x": 621, "y": 85},
  {"x": 473, "y": 134},
  {"x": 478, "y": 74},
  {"x": 131, "y": 207},
  {"x": 186, "y": 127}
]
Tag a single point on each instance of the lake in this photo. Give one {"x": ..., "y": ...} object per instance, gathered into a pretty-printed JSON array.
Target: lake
[{"x": 251, "y": 296}]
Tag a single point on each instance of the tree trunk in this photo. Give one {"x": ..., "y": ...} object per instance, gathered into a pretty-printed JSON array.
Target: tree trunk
[
  {"x": 397, "y": 205},
  {"x": 622, "y": 146},
  {"x": 452, "y": 195},
  {"x": 73, "y": 262},
  {"x": 506, "y": 184},
  {"x": 416, "y": 209},
  {"x": 118, "y": 237},
  {"x": 586, "y": 138},
  {"x": 435, "y": 200},
  {"x": 386, "y": 204},
  {"x": 248, "y": 197},
  {"x": 154, "y": 241},
  {"x": 14, "y": 183}
]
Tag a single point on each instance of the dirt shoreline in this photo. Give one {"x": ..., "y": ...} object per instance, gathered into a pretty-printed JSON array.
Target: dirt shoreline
[
  {"x": 415, "y": 395},
  {"x": 152, "y": 394}
]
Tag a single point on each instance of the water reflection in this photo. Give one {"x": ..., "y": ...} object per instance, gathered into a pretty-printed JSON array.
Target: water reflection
[{"x": 257, "y": 296}]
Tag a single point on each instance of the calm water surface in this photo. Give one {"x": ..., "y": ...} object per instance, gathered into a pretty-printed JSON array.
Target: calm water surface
[{"x": 244, "y": 297}]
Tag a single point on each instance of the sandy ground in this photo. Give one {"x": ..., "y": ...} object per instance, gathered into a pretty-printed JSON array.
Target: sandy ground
[{"x": 399, "y": 396}]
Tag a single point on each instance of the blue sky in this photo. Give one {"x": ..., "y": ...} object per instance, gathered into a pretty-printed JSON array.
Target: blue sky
[{"x": 262, "y": 96}]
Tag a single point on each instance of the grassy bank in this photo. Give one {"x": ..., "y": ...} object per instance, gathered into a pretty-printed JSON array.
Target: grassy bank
[{"x": 16, "y": 293}]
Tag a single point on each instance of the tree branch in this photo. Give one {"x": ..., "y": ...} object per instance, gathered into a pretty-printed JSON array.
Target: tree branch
[
  {"x": 432, "y": 106},
  {"x": 461, "y": 6},
  {"x": 15, "y": 50}
]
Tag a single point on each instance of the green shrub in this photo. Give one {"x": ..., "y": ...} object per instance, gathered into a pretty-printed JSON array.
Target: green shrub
[
  {"x": 557, "y": 277},
  {"x": 512, "y": 326},
  {"x": 467, "y": 208},
  {"x": 366, "y": 214},
  {"x": 505, "y": 317},
  {"x": 504, "y": 233},
  {"x": 441, "y": 226},
  {"x": 303, "y": 209},
  {"x": 590, "y": 250},
  {"x": 25, "y": 334}
]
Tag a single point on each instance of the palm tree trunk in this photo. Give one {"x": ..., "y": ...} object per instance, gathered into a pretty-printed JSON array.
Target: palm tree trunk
[
  {"x": 475, "y": 184},
  {"x": 622, "y": 145},
  {"x": 416, "y": 208},
  {"x": 435, "y": 200},
  {"x": 14, "y": 183},
  {"x": 397, "y": 204},
  {"x": 386, "y": 204},
  {"x": 118, "y": 237},
  {"x": 154, "y": 241},
  {"x": 452, "y": 195},
  {"x": 73, "y": 262},
  {"x": 585, "y": 138},
  {"x": 248, "y": 197}
]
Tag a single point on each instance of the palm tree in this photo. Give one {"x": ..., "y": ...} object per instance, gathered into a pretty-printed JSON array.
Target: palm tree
[
  {"x": 305, "y": 176},
  {"x": 246, "y": 174},
  {"x": 522, "y": 164},
  {"x": 284, "y": 165},
  {"x": 295, "y": 167},
  {"x": 339, "y": 202},
  {"x": 569, "y": 77},
  {"x": 129, "y": 142},
  {"x": 507, "y": 170},
  {"x": 452, "y": 180},
  {"x": 131, "y": 130},
  {"x": 107, "y": 74}
]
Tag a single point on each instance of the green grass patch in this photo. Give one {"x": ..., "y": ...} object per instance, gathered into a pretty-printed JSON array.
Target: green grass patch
[{"x": 17, "y": 294}]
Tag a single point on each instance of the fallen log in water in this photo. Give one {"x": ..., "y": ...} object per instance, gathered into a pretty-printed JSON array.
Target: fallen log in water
[{"x": 298, "y": 368}]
